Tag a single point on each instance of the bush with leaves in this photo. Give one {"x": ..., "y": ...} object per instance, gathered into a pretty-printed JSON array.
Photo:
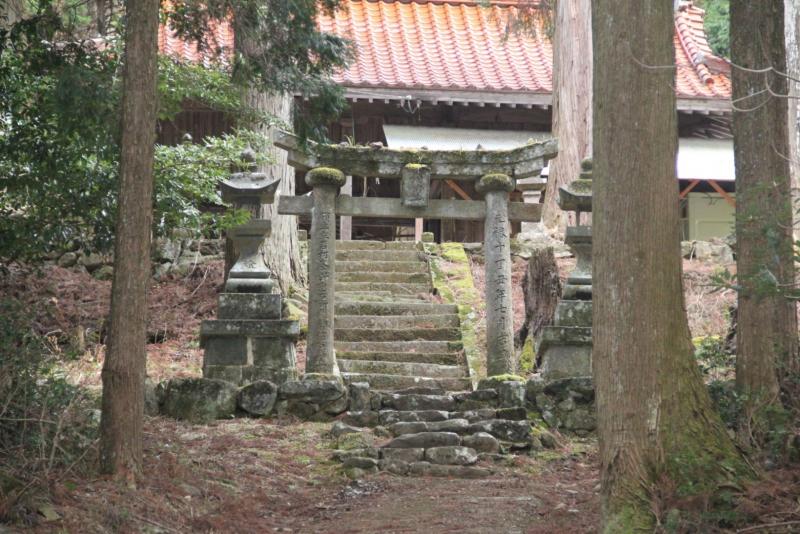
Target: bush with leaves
[
  {"x": 47, "y": 425},
  {"x": 59, "y": 146}
]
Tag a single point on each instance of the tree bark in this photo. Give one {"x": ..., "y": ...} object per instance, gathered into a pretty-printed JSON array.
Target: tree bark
[
  {"x": 541, "y": 288},
  {"x": 126, "y": 358},
  {"x": 281, "y": 250},
  {"x": 792, "y": 23},
  {"x": 572, "y": 102},
  {"x": 767, "y": 336},
  {"x": 656, "y": 425}
]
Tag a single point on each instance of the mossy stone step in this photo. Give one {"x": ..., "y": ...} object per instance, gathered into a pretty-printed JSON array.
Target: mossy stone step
[
  {"x": 444, "y": 358},
  {"x": 420, "y": 347},
  {"x": 375, "y": 245},
  {"x": 429, "y": 370},
  {"x": 397, "y": 321},
  {"x": 380, "y": 277},
  {"x": 393, "y": 288},
  {"x": 398, "y": 334},
  {"x": 414, "y": 266},
  {"x": 380, "y": 255},
  {"x": 385, "y": 382},
  {"x": 393, "y": 308}
]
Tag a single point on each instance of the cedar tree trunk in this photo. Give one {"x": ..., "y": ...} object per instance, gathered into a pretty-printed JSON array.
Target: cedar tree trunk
[
  {"x": 125, "y": 362},
  {"x": 656, "y": 424},
  {"x": 281, "y": 251},
  {"x": 767, "y": 336},
  {"x": 572, "y": 102}
]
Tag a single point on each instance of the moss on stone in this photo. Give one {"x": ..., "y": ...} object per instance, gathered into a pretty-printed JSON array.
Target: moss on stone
[
  {"x": 495, "y": 182},
  {"x": 325, "y": 176},
  {"x": 454, "y": 284},
  {"x": 527, "y": 359}
]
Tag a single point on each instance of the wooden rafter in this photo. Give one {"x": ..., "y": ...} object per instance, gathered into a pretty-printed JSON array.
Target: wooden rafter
[
  {"x": 724, "y": 194},
  {"x": 455, "y": 187},
  {"x": 689, "y": 188}
]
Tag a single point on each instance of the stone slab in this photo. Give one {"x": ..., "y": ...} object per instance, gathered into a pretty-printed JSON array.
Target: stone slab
[
  {"x": 227, "y": 350},
  {"x": 566, "y": 361},
  {"x": 574, "y": 313},
  {"x": 249, "y": 306},
  {"x": 469, "y": 210},
  {"x": 247, "y": 327}
]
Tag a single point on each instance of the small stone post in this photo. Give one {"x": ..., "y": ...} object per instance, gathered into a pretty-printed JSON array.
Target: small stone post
[
  {"x": 320, "y": 357},
  {"x": 499, "y": 311}
]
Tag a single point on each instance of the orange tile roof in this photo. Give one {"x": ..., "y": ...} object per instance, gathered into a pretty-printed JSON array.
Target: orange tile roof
[
  {"x": 464, "y": 45},
  {"x": 428, "y": 45},
  {"x": 220, "y": 37}
]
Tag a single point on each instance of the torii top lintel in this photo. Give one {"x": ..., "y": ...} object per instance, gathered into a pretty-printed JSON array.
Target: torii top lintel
[{"x": 379, "y": 162}]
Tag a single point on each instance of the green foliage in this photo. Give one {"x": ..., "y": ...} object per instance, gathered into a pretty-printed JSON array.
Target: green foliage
[
  {"x": 717, "y": 25},
  {"x": 45, "y": 422},
  {"x": 59, "y": 144},
  {"x": 279, "y": 49},
  {"x": 186, "y": 180},
  {"x": 712, "y": 356},
  {"x": 59, "y": 117}
]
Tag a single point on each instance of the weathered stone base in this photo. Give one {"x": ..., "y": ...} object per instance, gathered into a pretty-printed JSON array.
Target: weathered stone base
[
  {"x": 566, "y": 404},
  {"x": 249, "y": 341}
]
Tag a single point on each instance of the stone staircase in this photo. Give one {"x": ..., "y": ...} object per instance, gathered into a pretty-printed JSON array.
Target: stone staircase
[
  {"x": 388, "y": 332},
  {"x": 424, "y": 431}
]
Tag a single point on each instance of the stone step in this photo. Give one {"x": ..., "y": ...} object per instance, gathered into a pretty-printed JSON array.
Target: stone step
[
  {"x": 397, "y": 321},
  {"x": 399, "y": 334},
  {"x": 375, "y": 245},
  {"x": 444, "y": 358},
  {"x": 377, "y": 297},
  {"x": 430, "y": 370},
  {"x": 386, "y": 308},
  {"x": 415, "y": 266},
  {"x": 390, "y": 382},
  {"x": 393, "y": 288},
  {"x": 381, "y": 277},
  {"x": 380, "y": 255},
  {"x": 420, "y": 347}
]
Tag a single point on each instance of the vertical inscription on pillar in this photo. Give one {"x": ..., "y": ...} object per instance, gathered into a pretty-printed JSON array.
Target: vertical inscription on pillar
[
  {"x": 320, "y": 356},
  {"x": 499, "y": 321}
]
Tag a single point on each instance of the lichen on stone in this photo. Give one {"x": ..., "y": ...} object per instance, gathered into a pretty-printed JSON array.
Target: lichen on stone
[
  {"x": 325, "y": 176},
  {"x": 495, "y": 182}
]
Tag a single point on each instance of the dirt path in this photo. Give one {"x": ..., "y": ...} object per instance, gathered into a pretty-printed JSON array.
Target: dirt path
[
  {"x": 252, "y": 475},
  {"x": 509, "y": 503}
]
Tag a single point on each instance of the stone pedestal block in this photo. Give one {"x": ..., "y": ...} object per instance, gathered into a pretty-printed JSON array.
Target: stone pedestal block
[
  {"x": 250, "y": 274},
  {"x": 249, "y": 306},
  {"x": 246, "y": 350}
]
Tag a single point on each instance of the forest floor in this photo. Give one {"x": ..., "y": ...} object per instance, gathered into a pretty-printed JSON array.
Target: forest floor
[{"x": 256, "y": 475}]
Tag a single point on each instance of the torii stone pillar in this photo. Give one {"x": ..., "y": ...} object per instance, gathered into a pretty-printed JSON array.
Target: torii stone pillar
[
  {"x": 497, "y": 248},
  {"x": 320, "y": 357}
]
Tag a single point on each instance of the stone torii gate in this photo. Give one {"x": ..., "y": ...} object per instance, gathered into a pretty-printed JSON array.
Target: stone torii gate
[{"x": 495, "y": 172}]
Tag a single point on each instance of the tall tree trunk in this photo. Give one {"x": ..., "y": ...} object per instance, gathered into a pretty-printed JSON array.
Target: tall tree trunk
[
  {"x": 281, "y": 251},
  {"x": 126, "y": 358},
  {"x": 767, "y": 336},
  {"x": 572, "y": 101},
  {"x": 655, "y": 419},
  {"x": 792, "y": 23}
]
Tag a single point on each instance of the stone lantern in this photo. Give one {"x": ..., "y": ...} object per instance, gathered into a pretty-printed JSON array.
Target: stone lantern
[
  {"x": 566, "y": 347},
  {"x": 249, "y": 340}
]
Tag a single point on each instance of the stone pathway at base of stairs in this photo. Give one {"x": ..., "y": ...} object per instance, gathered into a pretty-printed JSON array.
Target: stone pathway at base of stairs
[
  {"x": 388, "y": 333},
  {"x": 429, "y": 432}
]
